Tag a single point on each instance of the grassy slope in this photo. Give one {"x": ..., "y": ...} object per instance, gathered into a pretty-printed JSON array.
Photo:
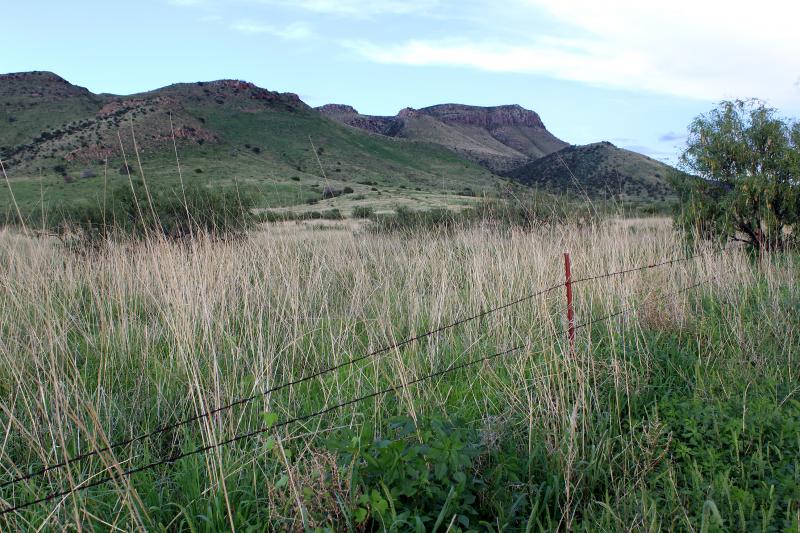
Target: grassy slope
[
  {"x": 475, "y": 142},
  {"x": 284, "y": 171},
  {"x": 600, "y": 170},
  {"x": 35, "y": 102}
]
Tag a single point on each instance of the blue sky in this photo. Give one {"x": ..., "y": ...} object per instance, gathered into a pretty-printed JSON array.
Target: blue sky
[{"x": 629, "y": 71}]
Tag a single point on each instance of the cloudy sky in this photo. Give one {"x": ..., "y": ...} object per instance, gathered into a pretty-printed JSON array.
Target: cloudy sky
[{"x": 633, "y": 72}]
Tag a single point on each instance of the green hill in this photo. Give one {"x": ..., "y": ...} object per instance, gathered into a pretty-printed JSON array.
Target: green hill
[
  {"x": 62, "y": 144},
  {"x": 599, "y": 171},
  {"x": 227, "y": 132}
]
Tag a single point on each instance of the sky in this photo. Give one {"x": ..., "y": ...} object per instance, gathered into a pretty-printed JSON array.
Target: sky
[{"x": 633, "y": 72}]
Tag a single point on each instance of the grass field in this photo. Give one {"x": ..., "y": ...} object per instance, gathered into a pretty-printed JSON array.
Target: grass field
[{"x": 681, "y": 415}]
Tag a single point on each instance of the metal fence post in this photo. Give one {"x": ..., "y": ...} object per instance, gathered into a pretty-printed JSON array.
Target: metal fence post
[{"x": 570, "y": 310}]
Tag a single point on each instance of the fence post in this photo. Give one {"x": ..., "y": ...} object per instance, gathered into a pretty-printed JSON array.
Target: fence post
[{"x": 570, "y": 310}]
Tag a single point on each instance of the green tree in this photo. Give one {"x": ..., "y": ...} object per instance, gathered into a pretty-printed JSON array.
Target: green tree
[{"x": 747, "y": 159}]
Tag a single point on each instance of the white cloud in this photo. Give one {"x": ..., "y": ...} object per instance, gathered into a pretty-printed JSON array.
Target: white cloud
[
  {"x": 294, "y": 31},
  {"x": 693, "y": 48},
  {"x": 363, "y": 8}
]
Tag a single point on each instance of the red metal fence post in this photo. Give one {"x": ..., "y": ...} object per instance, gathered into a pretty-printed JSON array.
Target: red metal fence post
[{"x": 570, "y": 310}]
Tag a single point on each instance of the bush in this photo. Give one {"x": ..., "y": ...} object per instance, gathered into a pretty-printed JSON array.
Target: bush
[
  {"x": 500, "y": 213},
  {"x": 348, "y": 190},
  {"x": 88, "y": 173},
  {"x": 332, "y": 214},
  {"x": 134, "y": 212},
  {"x": 361, "y": 211},
  {"x": 330, "y": 192},
  {"x": 126, "y": 170}
]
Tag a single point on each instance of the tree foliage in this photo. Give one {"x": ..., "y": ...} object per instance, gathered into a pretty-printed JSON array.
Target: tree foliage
[{"x": 748, "y": 160}]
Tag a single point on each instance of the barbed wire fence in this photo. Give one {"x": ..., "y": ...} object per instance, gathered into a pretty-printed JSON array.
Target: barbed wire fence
[{"x": 123, "y": 474}]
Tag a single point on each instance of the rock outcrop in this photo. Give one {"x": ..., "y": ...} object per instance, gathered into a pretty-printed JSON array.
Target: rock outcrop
[{"x": 500, "y": 137}]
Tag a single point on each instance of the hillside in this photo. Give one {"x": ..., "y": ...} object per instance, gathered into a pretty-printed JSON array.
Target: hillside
[
  {"x": 227, "y": 131},
  {"x": 500, "y": 138},
  {"x": 601, "y": 171},
  {"x": 64, "y": 144}
]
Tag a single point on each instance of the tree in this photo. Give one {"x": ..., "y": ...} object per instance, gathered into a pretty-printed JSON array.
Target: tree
[{"x": 746, "y": 160}]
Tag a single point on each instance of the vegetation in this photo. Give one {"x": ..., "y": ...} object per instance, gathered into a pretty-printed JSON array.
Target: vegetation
[
  {"x": 600, "y": 171},
  {"x": 136, "y": 211},
  {"x": 681, "y": 415},
  {"x": 676, "y": 409},
  {"x": 507, "y": 214},
  {"x": 748, "y": 159},
  {"x": 267, "y": 151}
]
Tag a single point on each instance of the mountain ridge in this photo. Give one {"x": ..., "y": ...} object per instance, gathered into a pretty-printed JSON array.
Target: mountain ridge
[
  {"x": 599, "y": 170},
  {"x": 497, "y": 137},
  {"x": 235, "y": 132}
]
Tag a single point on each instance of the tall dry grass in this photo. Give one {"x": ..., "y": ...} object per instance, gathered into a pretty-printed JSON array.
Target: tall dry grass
[{"x": 98, "y": 348}]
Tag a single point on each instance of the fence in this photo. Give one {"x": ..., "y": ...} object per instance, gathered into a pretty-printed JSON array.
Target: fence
[{"x": 570, "y": 332}]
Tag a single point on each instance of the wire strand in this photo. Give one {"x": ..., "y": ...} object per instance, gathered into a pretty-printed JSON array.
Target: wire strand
[
  {"x": 393, "y": 388},
  {"x": 248, "y": 399}
]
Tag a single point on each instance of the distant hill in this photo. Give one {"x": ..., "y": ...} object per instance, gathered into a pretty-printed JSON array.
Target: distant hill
[
  {"x": 500, "y": 138},
  {"x": 63, "y": 143},
  {"x": 599, "y": 170},
  {"x": 227, "y": 131}
]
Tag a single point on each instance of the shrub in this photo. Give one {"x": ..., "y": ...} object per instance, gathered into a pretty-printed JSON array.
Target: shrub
[
  {"x": 525, "y": 215},
  {"x": 126, "y": 170},
  {"x": 332, "y": 214},
  {"x": 361, "y": 211},
  {"x": 348, "y": 190},
  {"x": 88, "y": 173},
  {"x": 133, "y": 212},
  {"x": 330, "y": 192},
  {"x": 407, "y": 220}
]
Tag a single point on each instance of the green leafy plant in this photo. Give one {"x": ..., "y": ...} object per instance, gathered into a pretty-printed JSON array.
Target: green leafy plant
[{"x": 415, "y": 477}]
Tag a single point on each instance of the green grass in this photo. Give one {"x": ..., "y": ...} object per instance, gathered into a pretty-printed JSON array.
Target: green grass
[{"x": 682, "y": 416}]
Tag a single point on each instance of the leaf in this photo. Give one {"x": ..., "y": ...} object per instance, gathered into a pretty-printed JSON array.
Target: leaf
[
  {"x": 270, "y": 419},
  {"x": 282, "y": 482},
  {"x": 360, "y": 515}
]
